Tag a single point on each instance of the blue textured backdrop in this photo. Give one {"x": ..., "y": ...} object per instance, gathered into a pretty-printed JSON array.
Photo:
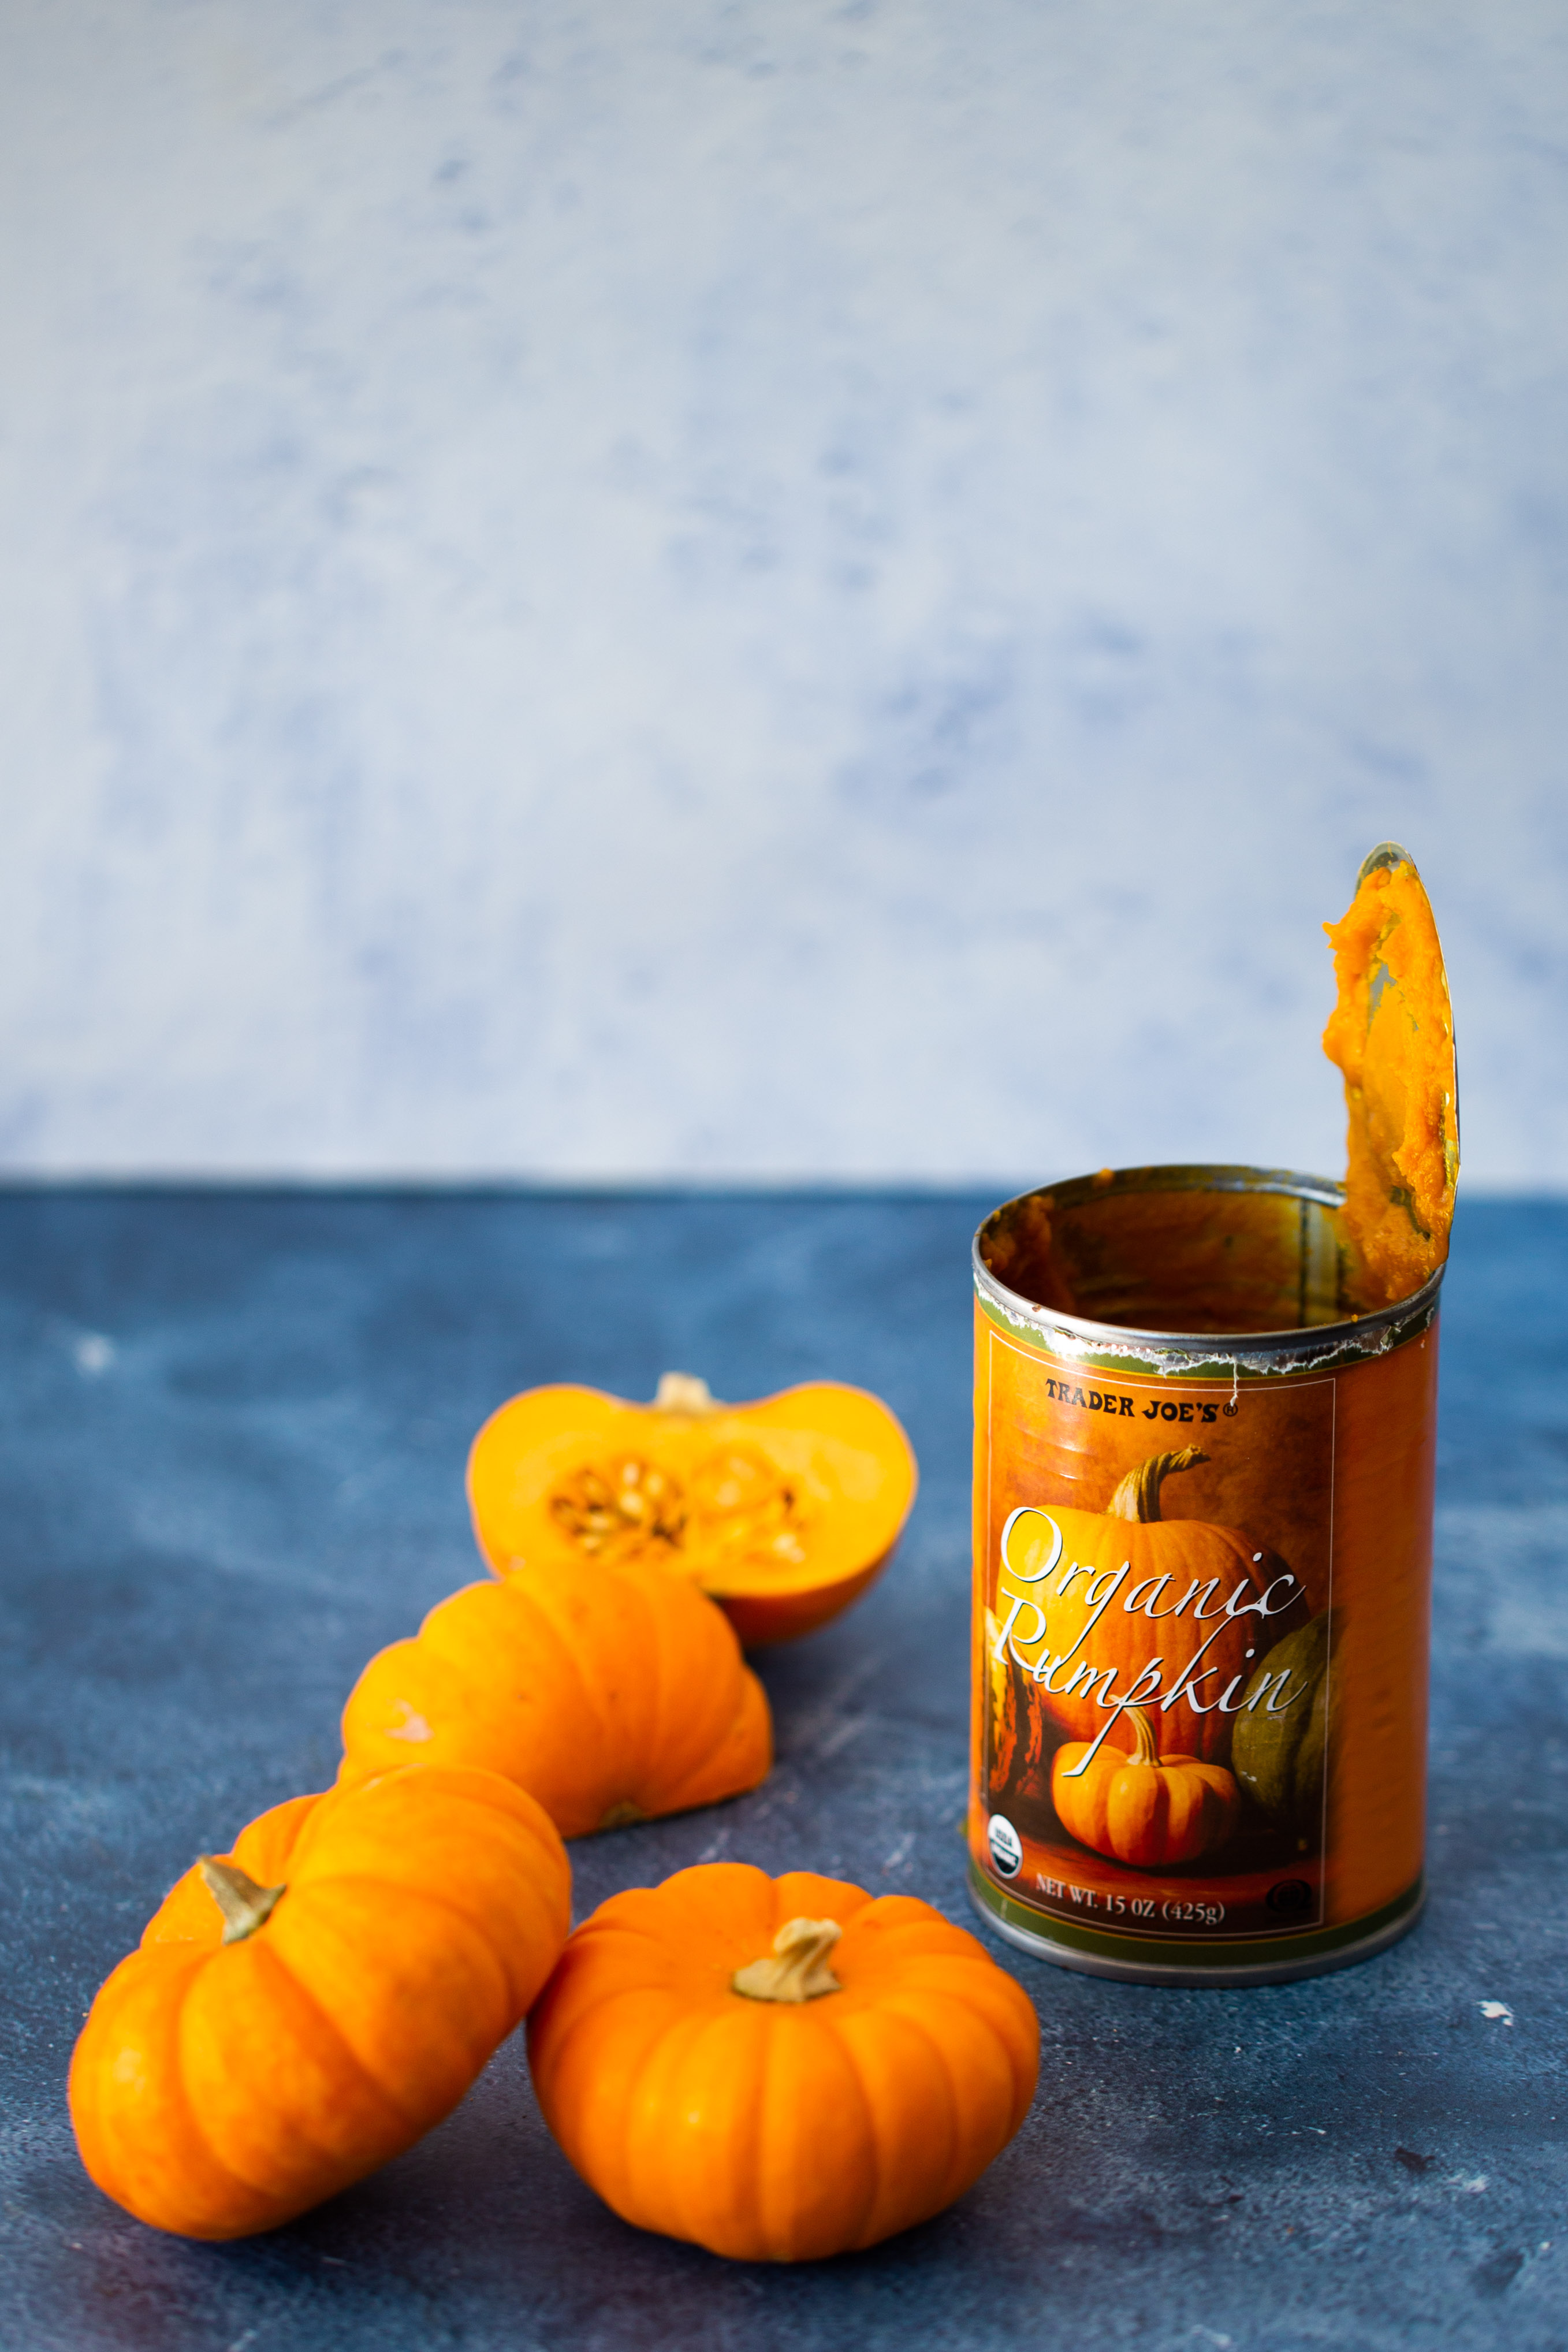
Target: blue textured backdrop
[
  {"x": 813, "y": 590},
  {"x": 231, "y": 1437}
]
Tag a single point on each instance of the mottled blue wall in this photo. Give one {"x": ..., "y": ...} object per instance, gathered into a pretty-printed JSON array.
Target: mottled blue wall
[{"x": 650, "y": 587}]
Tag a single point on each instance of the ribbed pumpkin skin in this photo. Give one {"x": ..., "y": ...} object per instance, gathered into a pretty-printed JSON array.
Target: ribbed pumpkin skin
[
  {"x": 1141, "y": 1813},
  {"x": 217, "y": 2089},
  {"x": 767, "y": 2132},
  {"x": 609, "y": 1694}
]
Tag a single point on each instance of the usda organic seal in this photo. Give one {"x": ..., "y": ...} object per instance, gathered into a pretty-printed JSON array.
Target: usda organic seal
[{"x": 1006, "y": 1850}]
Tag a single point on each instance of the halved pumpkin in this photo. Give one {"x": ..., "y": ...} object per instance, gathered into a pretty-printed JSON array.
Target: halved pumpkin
[{"x": 783, "y": 1510}]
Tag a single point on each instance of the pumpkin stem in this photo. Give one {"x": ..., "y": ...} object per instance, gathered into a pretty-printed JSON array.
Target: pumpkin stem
[
  {"x": 801, "y": 1971},
  {"x": 1145, "y": 1746},
  {"x": 685, "y": 1392},
  {"x": 245, "y": 1905},
  {"x": 1138, "y": 1495}
]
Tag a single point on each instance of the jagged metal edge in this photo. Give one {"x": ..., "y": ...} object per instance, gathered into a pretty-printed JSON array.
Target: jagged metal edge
[{"x": 1334, "y": 1343}]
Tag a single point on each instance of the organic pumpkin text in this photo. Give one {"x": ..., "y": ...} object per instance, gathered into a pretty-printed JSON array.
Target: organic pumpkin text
[{"x": 1068, "y": 1674}]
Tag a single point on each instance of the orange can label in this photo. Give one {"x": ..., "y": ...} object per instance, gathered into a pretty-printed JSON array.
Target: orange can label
[{"x": 1201, "y": 1644}]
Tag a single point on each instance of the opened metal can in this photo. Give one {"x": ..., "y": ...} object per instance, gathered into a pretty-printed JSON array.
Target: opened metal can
[{"x": 1202, "y": 1600}]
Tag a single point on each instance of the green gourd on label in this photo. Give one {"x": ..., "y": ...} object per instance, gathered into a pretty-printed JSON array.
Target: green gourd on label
[{"x": 1276, "y": 1752}]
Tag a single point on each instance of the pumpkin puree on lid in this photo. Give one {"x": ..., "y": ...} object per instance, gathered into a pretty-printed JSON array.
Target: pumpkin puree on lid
[{"x": 1392, "y": 1033}]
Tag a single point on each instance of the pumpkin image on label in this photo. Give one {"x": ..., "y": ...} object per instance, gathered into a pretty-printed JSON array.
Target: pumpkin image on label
[
  {"x": 1280, "y": 1754},
  {"x": 1145, "y": 1808}
]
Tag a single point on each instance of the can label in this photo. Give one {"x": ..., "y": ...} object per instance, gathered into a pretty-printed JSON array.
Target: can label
[{"x": 1160, "y": 1639}]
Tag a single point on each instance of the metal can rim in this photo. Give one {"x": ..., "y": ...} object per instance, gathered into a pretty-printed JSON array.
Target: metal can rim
[{"x": 1193, "y": 1354}]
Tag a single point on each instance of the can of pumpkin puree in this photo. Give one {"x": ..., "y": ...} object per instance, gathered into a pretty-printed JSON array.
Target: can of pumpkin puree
[{"x": 1203, "y": 1545}]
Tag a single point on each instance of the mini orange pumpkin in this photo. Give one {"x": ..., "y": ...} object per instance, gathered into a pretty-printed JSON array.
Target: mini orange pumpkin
[
  {"x": 611, "y": 1694},
  {"x": 778, "y": 2069},
  {"x": 1145, "y": 1808},
  {"x": 303, "y": 2009},
  {"x": 783, "y": 1510}
]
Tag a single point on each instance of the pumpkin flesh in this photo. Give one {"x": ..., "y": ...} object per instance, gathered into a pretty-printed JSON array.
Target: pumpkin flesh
[
  {"x": 783, "y": 1510},
  {"x": 767, "y": 2128},
  {"x": 1392, "y": 1035},
  {"x": 218, "y": 2089}
]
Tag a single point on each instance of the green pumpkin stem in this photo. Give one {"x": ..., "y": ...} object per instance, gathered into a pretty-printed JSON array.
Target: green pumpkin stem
[
  {"x": 245, "y": 1905},
  {"x": 800, "y": 1972},
  {"x": 1138, "y": 1495}
]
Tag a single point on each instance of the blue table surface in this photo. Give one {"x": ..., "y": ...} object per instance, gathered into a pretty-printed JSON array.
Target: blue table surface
[{"x": 233, "y": 1432}]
